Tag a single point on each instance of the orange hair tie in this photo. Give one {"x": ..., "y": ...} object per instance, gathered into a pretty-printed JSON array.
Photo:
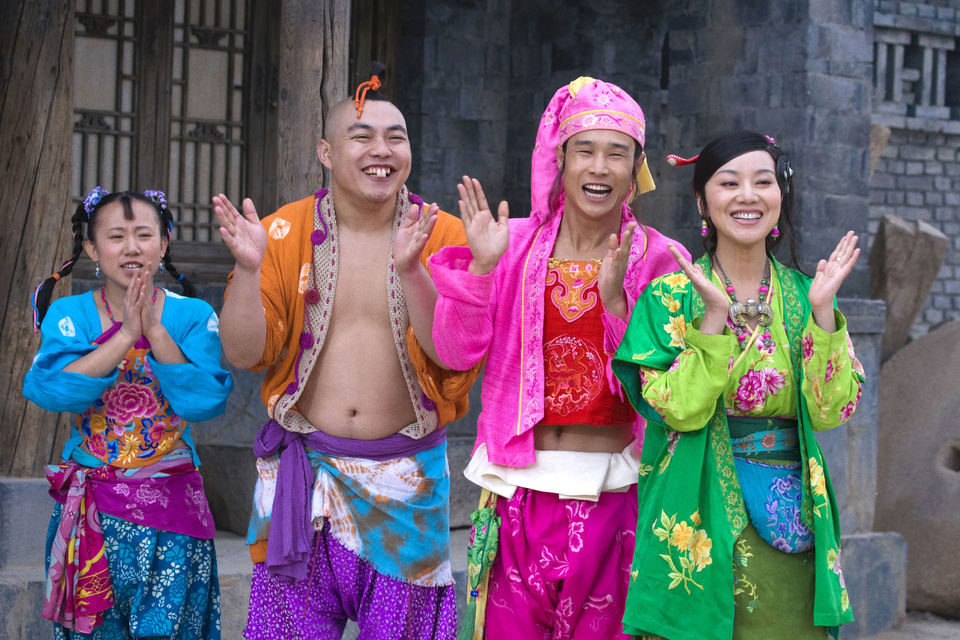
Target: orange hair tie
[
  {"x": 372, "y": 83},
  {"x": 55, "y": 276}
]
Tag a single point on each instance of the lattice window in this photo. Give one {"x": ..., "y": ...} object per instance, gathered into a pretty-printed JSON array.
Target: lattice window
[
  {"x": 207, "y": 128},
  {"x": 911, "y": 72},
  {"x": 104, "y": 110}
]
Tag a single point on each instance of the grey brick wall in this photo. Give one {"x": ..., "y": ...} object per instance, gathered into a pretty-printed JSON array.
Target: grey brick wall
[{"x": 917, "y": 177}]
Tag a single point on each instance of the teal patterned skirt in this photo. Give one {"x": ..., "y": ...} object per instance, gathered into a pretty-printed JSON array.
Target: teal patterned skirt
[{"x": 165, "y": 584}]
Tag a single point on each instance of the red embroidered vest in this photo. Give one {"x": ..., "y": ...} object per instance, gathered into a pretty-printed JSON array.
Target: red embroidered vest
[{"x": 575, "y": 381}]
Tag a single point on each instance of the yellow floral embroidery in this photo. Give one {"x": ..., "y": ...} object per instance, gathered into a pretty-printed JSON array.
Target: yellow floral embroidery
[
  {"x": 676, "y": 280},
  {"x": 673, "y": 305},
  {"x": 677, "y": 329},
  {"x": 817, "y": 482},
  {"x": 681, "y": 536},
  {"x": 97, "y": 423},
  {"x": 693, "y": 546},
  {"x": 639, "y": 357},
  {"x": 645, "y": 469}
]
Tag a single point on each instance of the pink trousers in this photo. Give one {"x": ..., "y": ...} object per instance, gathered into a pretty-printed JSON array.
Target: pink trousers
[{"x": 563, "y": 567}]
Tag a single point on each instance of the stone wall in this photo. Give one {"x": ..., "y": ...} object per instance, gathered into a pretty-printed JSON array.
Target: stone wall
[{"x": 917, "y": 98}]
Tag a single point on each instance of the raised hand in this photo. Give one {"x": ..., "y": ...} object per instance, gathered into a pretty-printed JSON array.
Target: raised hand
[
  {"x": 612, "y": 271},
  {"x": 715, "y": 301},
  {"x": 243, "y": 234},
  {"x": 133, "y": 301},
  {"x": 488, "y": 237},
  {"x": 149, "y": 312},
  {"x": 829, "y": 276},
  {"x": 411, "y": 237}
]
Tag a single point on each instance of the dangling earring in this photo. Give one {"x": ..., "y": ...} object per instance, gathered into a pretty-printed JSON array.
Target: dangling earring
[
  {"x": 97, "y": 270},
  {"x": 775, "y": 232},
  {"x": 161, "y": 267},
  {"x": 703, "y": 227}
]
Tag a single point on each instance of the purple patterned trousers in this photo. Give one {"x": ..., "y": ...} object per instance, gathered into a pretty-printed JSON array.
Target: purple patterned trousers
[{"x": 342, "y": 585}]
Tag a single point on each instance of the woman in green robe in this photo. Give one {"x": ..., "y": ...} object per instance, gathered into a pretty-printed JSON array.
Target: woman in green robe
[{"x": 735, "y": 361}]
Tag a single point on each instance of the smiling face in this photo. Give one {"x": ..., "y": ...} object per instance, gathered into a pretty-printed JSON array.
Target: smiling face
[
  {"x": 369, "y": 158},
  {"x": 123, "y": 247},
  {"x": 743, "y": 199},
  {"x": 598, "y": 169}
]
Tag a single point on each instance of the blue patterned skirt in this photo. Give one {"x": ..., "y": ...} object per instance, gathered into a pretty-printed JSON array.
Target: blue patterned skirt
[{"x": 164, "y": 584}]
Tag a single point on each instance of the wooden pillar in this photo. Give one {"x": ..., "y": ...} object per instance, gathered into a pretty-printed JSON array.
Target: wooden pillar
[
  {"x": 36, "y": 124},
  {"x": 313, "y": 64}
]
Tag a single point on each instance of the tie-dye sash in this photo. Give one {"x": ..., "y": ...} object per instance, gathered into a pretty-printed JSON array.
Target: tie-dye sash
[
  {"x": 385, "y": 500},
  {"x": 167, "y": 494}
]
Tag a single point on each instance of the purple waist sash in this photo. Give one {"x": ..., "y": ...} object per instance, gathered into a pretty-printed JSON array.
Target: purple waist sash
[
  {"x": 291, "y": 529},
  {"x": 166, "y": 495}
]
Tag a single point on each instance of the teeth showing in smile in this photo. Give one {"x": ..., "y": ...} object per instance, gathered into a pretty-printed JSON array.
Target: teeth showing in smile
[
  {"x": 379, "y": 172},
  {"x": 596, "y": 190},
  {"x": 132, "y": 266},
  {"x": 746, "y": 215}
]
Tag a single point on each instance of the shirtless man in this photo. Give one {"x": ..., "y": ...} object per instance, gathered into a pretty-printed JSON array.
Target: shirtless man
[{"x": 326, "y": 295}]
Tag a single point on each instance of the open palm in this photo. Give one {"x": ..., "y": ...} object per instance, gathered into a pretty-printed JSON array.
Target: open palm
[
  {"x": 487, "y": 236},
  {"x": 243, "y": 234}
]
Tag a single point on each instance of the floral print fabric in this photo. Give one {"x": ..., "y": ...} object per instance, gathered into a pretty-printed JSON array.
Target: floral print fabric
[{"x": 165, "y": 584}]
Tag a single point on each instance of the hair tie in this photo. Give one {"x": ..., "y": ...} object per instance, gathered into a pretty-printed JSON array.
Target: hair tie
[
  {"x": 358, "y": 98},
  {"x": 179, "y": 276},
  {"x": 93, "y": 199},
  {"x": 770, "y": 139},
  {"x": 677, "y": 161}
]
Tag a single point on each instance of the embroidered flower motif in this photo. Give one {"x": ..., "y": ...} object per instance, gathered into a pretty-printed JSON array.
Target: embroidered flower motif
[
  {"x": 755, "y": 386},
  {"x": 675, "y": 365},
  {"x": 807, "y": 346},
  {"x": 97, "y": 423},
  {"x": 676, "y": 280},
  {"x": 694, "y": 547},
  {"x": 829, "y": 375},
  {"x": 847, "y": 411},
  {"x": 818, "y": 483},
  {"x": 673, "y": 305},
  {"x": 681, "y": 536},
  {"x": 97, "y": 444},
  {"x": 128, "y": 401},
  {"x": 279, "y": 229},
  {"x": 700, "y": 549},
  {"x": 676, "y": 329}
]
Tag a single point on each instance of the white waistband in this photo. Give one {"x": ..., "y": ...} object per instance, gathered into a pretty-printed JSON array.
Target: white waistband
[{"x": 573, "y": 475}]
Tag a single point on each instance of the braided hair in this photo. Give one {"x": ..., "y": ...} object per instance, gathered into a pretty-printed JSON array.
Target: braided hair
[{"x": 86, "y": 213}]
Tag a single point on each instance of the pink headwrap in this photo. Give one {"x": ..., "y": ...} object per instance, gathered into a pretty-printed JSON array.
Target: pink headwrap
[{"x": 583, "y": 105}]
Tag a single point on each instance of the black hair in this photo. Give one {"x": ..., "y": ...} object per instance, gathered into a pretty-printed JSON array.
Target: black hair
[
  {"x": 557, "y": 187},
  {"x": 41, "y": 298},
  {"x": 380, "y": 70},
  {"x": 724, "y": 148}
]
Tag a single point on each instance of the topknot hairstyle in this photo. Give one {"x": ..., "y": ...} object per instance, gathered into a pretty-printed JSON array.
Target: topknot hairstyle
[{"x": 86, "y": 213}]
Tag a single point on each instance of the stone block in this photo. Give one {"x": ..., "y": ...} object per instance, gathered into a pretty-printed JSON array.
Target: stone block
[
  {"x": 25, "y": 508},
  {"x": 919, "y": 451},
  {"x": 21, "y": 601},
  {"x": 464, "y": 495},
  {"x": 875, "y": 574},
  {"x": 229, "y": 475},
  {"x": 904, "y": 260}
]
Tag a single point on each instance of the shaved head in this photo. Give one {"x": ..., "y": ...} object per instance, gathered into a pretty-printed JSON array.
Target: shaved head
[{"x": 344, "y": 113}]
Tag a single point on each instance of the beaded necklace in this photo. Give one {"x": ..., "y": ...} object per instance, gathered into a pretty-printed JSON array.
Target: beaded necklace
[
  {"x": 742, "y": 312},
  {"x": 106, "y": 305}
]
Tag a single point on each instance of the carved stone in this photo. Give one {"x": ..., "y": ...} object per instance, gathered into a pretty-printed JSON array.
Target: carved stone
[
  {"x": 918, "y": 484},
  {"x": 904, "y": 261}
]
